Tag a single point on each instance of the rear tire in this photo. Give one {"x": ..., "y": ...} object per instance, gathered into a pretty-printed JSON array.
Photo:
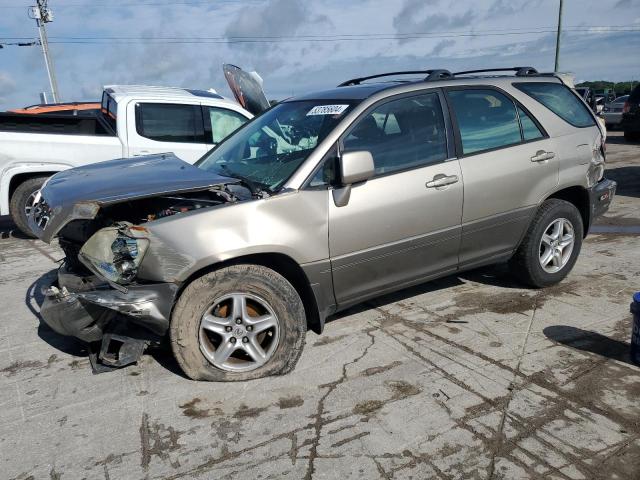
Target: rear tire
[
  {"x": 22, "y": 200},
  {"x": 555, "y": 218},
  {"x": 194, "y": 347}
]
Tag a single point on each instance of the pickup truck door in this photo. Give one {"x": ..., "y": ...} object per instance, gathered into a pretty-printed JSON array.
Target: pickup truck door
[{"x": 158, "y": 127}]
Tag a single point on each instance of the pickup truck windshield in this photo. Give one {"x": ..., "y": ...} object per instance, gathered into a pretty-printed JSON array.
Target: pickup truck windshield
[{"x": 269, "y": 149}]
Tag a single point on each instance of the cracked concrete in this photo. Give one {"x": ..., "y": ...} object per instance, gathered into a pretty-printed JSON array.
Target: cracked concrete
[{"x": 470, "y": 376}]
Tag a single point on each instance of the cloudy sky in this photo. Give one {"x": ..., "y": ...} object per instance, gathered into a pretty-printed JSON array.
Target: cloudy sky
[{"x": 299, "y": 46}]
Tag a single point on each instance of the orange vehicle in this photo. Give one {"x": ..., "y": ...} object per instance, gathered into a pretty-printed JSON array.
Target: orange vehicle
[{"x": 71, "y": 108}]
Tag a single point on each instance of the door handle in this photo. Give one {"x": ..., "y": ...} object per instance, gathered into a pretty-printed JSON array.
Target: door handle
[
  {"x": 541, "y": 156},
  {"x": 442, "y": 180}
]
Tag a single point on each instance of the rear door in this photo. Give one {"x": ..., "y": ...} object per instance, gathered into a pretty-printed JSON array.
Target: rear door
[
  {"x": 508, "y": 163},
  {"x": 166, "y": 127},
  {"x": 403, "y": 225}
]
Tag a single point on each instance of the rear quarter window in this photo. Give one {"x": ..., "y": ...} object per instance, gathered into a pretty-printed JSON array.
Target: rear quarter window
[{"x": 560, "y": 100}]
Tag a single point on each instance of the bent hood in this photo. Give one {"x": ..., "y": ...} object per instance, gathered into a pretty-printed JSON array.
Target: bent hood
[{"x": 79, "y": 193}]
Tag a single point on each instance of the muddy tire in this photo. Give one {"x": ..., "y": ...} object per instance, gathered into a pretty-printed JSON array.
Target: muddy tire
[
  {"x": 20, "y": 202},
  {"x": 551, "y": 245},
  {"x": 228, "y": 305}
]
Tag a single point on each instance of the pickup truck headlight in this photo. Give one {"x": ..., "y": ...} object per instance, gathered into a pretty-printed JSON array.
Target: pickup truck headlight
[{"x": 114, "y": 254}]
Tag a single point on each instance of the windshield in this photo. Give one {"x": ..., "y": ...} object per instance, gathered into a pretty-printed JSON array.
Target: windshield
[{"x": 270, "y": 148}]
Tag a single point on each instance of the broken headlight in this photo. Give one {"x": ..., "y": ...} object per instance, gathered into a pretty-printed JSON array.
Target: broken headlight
[{"x": 114, "y": 253}]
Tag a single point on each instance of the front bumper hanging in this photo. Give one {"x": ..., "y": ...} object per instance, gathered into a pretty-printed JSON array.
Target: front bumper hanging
[{"x": 118, "y": 325}]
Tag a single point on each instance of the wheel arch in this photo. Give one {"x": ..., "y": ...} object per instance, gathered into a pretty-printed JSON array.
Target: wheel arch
[
  {"x": 282, "y": 264},
  {"x": 579, "y": 197},
  {"x": 20, "y": 178}
]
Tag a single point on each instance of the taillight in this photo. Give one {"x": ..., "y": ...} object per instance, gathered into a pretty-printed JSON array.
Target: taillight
[{"x": 626, "y": 107}]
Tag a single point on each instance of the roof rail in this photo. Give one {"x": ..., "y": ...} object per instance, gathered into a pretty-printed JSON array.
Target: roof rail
[
  {"x": 431, "y": 76},
  {"x": 520, "y": 71}
]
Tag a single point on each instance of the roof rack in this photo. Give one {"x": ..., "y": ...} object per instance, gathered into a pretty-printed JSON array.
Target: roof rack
[
  {"x": 431, "y": 76},
  {"x": 520, "y": 71}
]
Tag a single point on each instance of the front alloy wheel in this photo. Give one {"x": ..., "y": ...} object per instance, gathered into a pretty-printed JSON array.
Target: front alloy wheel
[
  {"x": 238, "y": 323},
  {"x": 239, "y": 332}
]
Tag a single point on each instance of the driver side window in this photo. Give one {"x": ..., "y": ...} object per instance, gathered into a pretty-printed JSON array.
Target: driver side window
[{"x": 401, "y": 134}]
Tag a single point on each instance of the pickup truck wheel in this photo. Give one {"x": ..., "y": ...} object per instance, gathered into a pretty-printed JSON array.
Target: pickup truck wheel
[
  {"x": 551, "y": 246},
  {"x": 22, "y": 201},
  {"x": 238, "y": 323}
]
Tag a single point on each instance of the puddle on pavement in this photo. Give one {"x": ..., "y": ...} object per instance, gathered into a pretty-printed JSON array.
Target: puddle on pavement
[{"x": 626, "y": 229}]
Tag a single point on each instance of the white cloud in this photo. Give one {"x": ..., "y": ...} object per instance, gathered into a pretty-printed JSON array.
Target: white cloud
[
  {"x": 7, "y": 86},
  {"x": 291, "y": 66}
]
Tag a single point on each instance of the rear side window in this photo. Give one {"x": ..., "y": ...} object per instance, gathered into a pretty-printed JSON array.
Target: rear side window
[
  {"x": 401, "y": 134},
  {"x": 170, "y": 122},
  {"x": 530, "y": 130},
  {"x": 222, "y": 123},
  {"x": 486, "y": 119},
  {"x": 560, "y": 100}
]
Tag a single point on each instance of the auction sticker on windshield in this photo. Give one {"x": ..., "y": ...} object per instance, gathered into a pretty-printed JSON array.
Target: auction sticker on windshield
[{"x": 328, "y": 110}]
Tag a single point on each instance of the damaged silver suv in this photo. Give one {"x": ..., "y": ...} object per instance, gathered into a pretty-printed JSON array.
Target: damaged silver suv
[{"x": 319, "y": 203}]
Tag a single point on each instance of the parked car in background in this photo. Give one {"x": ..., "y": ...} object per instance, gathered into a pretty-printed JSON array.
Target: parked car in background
[
  {"x": 630, "y": 122},
  {"x": 322, "y": 202},
  {"x": 599, "y": 104},
  {"x": 612, "y": 112},
  {"x": 70, "y": 108},
  {"x": 132, "y": 121}
]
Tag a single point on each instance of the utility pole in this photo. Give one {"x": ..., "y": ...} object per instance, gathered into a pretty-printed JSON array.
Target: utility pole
[
  {"x": 557, "y": 64},
  {"x": 41, "y": 14}
]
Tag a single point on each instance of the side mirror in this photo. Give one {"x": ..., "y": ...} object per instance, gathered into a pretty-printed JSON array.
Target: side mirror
[{"x": 355, "y": 167}]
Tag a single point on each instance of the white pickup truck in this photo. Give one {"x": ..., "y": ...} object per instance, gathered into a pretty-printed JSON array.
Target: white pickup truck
[{"x": 132, "y": 121}]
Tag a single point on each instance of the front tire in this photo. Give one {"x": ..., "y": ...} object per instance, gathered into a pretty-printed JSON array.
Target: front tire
[
  {"x": 551, "y": 245},
  {"x": 238, "y": 323},
  {"x": 22, "y": 201}
]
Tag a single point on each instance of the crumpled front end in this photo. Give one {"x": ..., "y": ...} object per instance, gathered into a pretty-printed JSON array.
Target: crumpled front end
[{"x": 122, "y": 323}]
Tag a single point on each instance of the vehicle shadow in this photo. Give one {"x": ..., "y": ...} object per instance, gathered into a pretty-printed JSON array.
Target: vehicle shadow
[
  {"x": 628, "y": 179},
  {"x": 495, "y": 275},
  {"x": 591, "y": 342},
  {"x": 619, "y": 139},
  {"x": 8, "y": 229}
]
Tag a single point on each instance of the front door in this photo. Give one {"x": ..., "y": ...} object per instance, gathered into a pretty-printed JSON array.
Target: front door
[{"x": 403, "y": 225}]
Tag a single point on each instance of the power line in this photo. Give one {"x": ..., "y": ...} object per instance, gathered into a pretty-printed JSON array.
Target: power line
[
  {"x": 511, "y": 31},
  {"x": 321, "y": 38},
  {"x": 143, "y": 4},
  {"x": 191, "y": 41}
]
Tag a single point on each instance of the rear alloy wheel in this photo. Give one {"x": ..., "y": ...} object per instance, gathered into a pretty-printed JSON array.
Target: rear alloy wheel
[
  {"x": 551, "y": 245},
  {"x": 556, "y": 245},
  {"x": 22, "y": 202},
  {"x": 238, "y": 323}
]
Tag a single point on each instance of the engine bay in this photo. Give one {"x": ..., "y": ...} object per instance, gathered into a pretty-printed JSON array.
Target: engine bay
[{"x": 138, "y": 212}]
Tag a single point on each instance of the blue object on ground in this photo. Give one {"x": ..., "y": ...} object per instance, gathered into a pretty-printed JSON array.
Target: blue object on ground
[{"x": 635, "y": 329}]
